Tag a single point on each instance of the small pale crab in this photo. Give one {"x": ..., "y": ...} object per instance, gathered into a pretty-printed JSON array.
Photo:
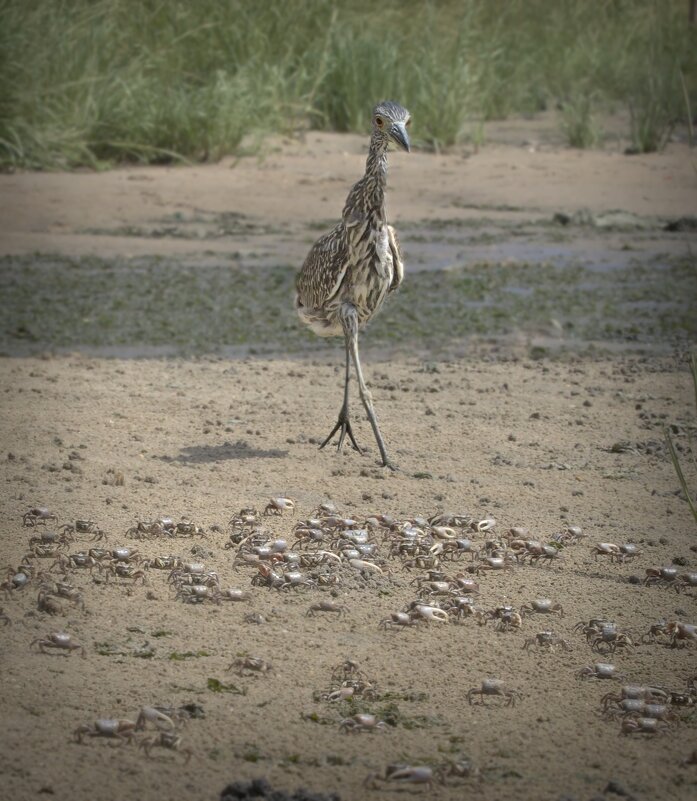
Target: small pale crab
[
  {"x": 166, "y": 739},
  {"x": 402, "y": 774},
  {"x": 609, "y": 639},
  {"x": 362, "y": 722},
  {"x": 542, "y": 606},
  {"x": 600, "y": 670},
  {"x": 150, "y": 714},
  {"x": 250, "y": 665},
  {"x": 644, "y": 725},
  {"x": 548, "y": 641},
  {"x": 506, "y": 617},
  {"x": 38, "y": 515},
  {"x": 121, "y": 729},
  {"x": 60, "y": 641},
  {"x": 398, "y": 620},
  {"x": 277, "y": 506},
  {"x": 348, "y": 670},
  {"x": 493, "y": 687},
  {"x": 326, "y": 606}
]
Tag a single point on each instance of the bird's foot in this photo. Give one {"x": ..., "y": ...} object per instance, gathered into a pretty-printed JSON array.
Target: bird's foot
[
  {"x": 343, "y": 426},
  {"x": 391, "y": 466}
]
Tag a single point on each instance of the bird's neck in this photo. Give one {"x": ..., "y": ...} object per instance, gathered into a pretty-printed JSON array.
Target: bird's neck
[
  {"x": 376, "y": 176},
  {"x": 367, "y": 198}
]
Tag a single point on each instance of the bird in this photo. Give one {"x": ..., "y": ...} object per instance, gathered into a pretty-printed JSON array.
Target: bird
[{"x": 350, "y": 270}]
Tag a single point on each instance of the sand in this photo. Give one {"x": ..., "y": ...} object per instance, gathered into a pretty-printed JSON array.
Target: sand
[{"x": 538, "y": 443}]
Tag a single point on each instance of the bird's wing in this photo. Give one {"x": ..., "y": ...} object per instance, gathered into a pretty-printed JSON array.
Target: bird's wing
[
  {"x": 323, "y": 270},
  {"x": 397, "y": 262}
]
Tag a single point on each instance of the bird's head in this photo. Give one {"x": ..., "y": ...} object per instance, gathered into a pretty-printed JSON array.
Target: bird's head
[{"x": 390, "y": 123}]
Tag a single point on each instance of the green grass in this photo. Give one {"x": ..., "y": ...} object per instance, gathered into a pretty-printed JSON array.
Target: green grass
[
  {"x": 49, "y": 302},
  {"x": 94, "y": 82}
]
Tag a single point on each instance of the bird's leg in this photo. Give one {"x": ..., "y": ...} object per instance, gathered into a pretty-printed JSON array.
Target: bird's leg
[
  {"x": 350, "y": 322},
  {"x": 343, "y": 424}
]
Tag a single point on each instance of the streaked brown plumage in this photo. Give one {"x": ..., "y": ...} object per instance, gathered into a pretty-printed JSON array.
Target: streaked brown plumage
[{"x": 349, "y": 271}]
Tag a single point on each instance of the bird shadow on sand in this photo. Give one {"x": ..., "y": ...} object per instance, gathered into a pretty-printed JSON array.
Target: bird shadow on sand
[{"x": 202, "y": 454}]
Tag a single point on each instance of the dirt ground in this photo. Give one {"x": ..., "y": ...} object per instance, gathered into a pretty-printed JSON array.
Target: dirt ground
[{"x": 487, "y": 432}]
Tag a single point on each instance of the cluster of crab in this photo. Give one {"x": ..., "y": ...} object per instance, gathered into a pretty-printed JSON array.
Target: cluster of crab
[
  {"x": 164, "y": 527},
  {"x": 444, "y": 598},
  {"x": 165, "y": 720},
  {"x": 426, "y": 543},
  {"x": 324, "y": 546},
  {"x": 194, "y": 583},
  {"x": 646, "y": 709}
]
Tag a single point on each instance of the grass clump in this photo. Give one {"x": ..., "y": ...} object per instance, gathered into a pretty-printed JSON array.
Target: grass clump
[{"x": 93, "y": 82}]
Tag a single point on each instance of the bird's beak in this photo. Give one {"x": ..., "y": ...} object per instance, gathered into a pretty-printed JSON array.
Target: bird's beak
[{"x": 398, "y": 132}]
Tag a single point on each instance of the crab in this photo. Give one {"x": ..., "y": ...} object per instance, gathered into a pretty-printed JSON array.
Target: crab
[
  {"x": 144, "y": 529},
  {"x": 362, "y": 722},
  {"x": 681, "y": 634},
  {"x": 610, "y": 639},
  {"x": 493, "y": 687},
  {"x": 431, "y": 614},
  {"x": 81, "y": 559},
  {"x": 495, "y": 563},
  {"x": 165, "y": 739},
  {"x": 326, "y": 606},
  {"x": 405, "y": 774},
  {"x": 122, "y": 729},
  {"x": 38, "y": 515},
  {"x": 50, "y": 538},
  {"x": 542, "y": 606},
  {"x": 644, "y": 726},
  {"x": 547, "y": 640},
  {"x": 398, "y": 620},
  {"x": 506, "y": 617},
  {"x": 246, "y": 518},
  {"x": 462, "y": 606},
  {"x": 662, "y": 576},
  {"x": 686, "y": 581},
  {"x": 16, "y": 579},
  {"x": 193, "y": 573},
  {"x": 60, "y": 640},
  {"x": 627, "y": 552},
  {"x": 125, "y": 555},
  {"x": 162, "y": 563},
  {"x": 64, "y": 590},
  {"x": 594, "y": 626},
  {"x": 600, "y": 670},
  {"x": 81, "y": 527},
  {"x": 234, "y": 595},
  {"x": 295, "y": 580},
  {"x": 634, "y": 692},
  {"x": 276, "y": 506},
  {"x": 348, "y": 671},
  {"x": 624, "y": 708},
  {"x": 535, "y": 551},
  {"x": 197, "y": 594},
  {"x": 185, "y": 528},
  {"x": 47, "y": 602},
  {"x": 125, "y": 571},
  {"x": 150, "y": 714},
  {"x": 43, "y": 550},
  {"x": 605, "y": 549},
  {"x": 250, "y": 665}
]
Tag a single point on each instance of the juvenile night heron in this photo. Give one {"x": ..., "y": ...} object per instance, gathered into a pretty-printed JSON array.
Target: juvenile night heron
[{"x": 349, "y": 272}]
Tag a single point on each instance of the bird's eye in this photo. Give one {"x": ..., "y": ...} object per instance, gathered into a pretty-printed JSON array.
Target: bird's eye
[{"x": 379, "y": 122}]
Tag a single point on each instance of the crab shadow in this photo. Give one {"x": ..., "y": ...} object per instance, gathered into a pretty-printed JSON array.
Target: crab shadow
[{"x": 203, "y": 454}]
